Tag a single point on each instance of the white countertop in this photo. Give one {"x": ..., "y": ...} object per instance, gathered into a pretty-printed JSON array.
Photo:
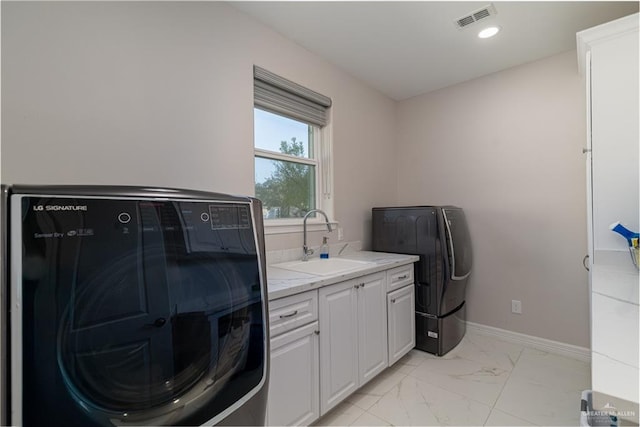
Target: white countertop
[
  {"x": 614, "y": 325},
  {"x": 282, "y": 283}
]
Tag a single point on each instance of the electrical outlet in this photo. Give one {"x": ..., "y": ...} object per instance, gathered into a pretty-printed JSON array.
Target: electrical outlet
[
  {"x": 516, "y": 306},
  {"x": 340, "y": 234}
]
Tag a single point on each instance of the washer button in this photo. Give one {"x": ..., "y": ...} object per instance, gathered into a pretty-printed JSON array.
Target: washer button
[
  {"x": 204, "y": 217},
  {"x": 124, "y": 218}
]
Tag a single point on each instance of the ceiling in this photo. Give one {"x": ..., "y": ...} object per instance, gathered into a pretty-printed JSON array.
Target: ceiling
[{"x": 405, "y": 49}]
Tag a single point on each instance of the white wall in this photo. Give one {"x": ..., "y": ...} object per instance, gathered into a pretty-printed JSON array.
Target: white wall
[
  {"x": 161, "y": 93},
  {"x": 507, "y": 148}
]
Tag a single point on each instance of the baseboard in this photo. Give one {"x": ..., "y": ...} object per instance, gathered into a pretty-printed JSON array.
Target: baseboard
[{"x": 550, "y": 346}]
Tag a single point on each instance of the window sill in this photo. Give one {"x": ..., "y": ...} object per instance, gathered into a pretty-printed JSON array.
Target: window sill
[{"x": 287, "y": 227}]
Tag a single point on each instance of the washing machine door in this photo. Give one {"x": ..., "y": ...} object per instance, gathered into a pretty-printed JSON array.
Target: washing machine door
[{"x": 134, "y": 312}]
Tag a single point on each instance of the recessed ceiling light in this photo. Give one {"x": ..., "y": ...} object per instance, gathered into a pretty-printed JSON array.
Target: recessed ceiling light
[{"x": 488, "y": 32}]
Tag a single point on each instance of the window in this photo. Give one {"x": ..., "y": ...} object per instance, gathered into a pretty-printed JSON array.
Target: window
[
  {"x": 286, "y": 165},
  {"x": 292, "y": 149}
]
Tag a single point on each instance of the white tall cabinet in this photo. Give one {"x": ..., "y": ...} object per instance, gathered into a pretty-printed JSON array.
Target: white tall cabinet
[{"x": 608, "y": 58}]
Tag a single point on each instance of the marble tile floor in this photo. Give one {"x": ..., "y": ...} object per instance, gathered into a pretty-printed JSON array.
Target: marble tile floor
[{"x": 482, "y": 382}]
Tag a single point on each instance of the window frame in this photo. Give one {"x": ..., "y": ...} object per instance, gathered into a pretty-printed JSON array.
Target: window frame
[{"x": 322, "y": 160}]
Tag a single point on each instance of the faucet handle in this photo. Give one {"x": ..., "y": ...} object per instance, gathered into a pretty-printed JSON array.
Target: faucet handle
[{"x": 306, "y": 252}]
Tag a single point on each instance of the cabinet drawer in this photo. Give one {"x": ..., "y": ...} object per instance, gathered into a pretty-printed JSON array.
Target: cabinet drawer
[
  {"x": 286, "y": 314},
  {"x": 399, "y": 277}
]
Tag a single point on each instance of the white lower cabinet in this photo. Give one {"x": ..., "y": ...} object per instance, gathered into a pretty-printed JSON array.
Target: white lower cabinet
[
  {"x": 353, "y": 339},
  {"x": 294, "y": 381},
  {"x": 372, "y": 331},
  {"x": 401, "y": 322},
  {"x": 327, "y": 343}
]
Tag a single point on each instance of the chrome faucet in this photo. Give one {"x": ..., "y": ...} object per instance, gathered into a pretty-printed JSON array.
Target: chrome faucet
[{"x": 305, "y": 249}]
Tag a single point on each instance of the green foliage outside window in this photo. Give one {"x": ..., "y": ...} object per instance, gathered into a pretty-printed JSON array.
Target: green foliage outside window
[{"x": 289, "y": 192}]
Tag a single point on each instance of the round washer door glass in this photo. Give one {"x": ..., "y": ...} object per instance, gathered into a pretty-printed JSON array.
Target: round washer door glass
[{"x": 138, "y": 312}]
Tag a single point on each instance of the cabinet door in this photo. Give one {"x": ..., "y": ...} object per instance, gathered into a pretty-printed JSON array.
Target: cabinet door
[
  {"x": 402, "y": 322},
  {"x": 372, "y": 327},
  {"x": 294, "y": 380},
  {"x": 615, "y": 135},
  {"x": 338, "y": 306}
]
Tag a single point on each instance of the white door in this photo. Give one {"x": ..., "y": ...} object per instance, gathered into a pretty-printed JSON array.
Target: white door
[
  {"x": 615, "y": 135},
  {"x": 372, "y": 327},
  {"x": 402, "y": 322},
  {"x": 338, "y": 343},
  {"x": 294, "y": 380}
]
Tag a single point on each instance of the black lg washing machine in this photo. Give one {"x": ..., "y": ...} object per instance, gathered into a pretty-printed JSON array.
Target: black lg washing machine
[{"x": 133, "y": 306}]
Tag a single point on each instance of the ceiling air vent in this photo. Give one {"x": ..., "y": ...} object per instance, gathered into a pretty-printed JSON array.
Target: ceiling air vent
[{"x": 475, "y": 16}]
